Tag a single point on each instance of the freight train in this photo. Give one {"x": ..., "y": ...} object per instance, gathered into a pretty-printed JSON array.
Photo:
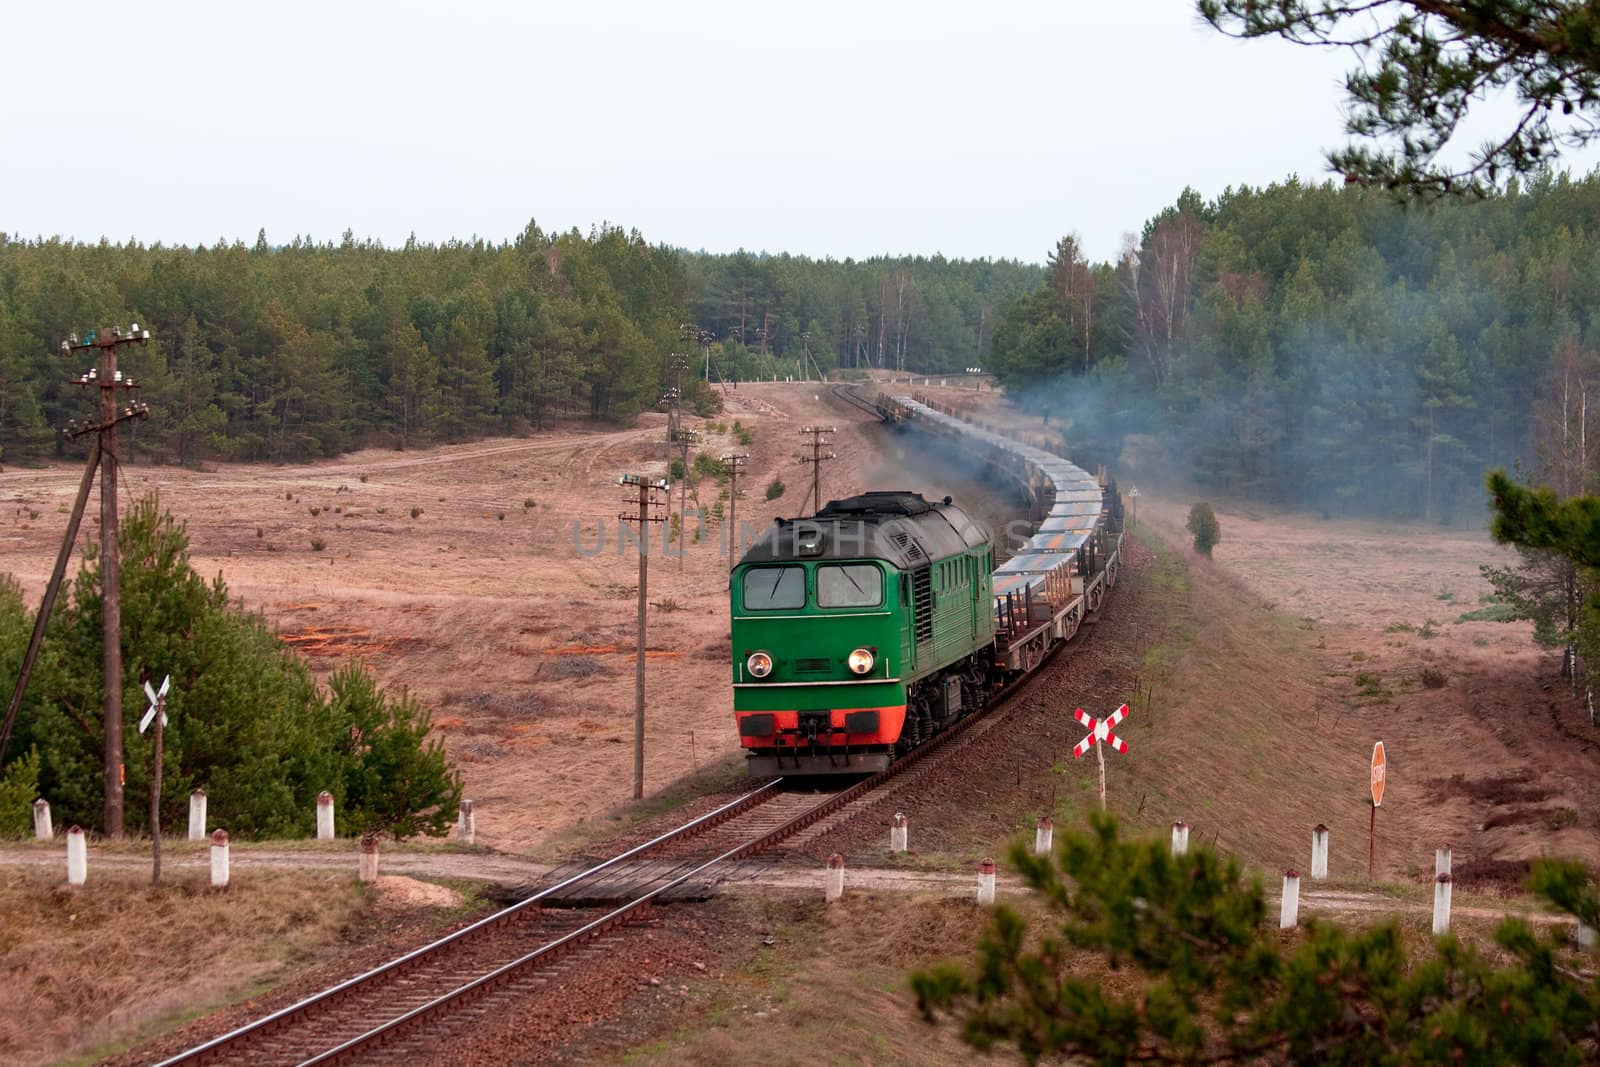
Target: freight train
[{"x": 875, "y": 624}]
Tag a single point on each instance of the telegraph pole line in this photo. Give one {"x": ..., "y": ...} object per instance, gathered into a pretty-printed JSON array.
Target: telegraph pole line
[
  {"x": 110, "y": 381},
  {"x": 734, "y": 460},
  {"x": 648, "y": 502},
  {"x": 820, "y": 436}
]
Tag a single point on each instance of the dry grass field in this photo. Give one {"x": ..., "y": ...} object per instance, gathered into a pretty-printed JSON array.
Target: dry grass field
[
  {"x": 490, "y": 579},
  {"x": 1259, "y": 681},
  {"x": 81, "y": 968}
]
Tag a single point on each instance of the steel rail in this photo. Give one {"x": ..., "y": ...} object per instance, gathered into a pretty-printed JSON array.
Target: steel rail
[
  {"x": 488, "y": 982},
  {"x": 288, "y": 1014},
  {"x": 503, "y": 973},
  {"x": 851, "y": 397}
]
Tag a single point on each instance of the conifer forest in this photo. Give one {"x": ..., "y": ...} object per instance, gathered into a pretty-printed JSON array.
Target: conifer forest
[{"x": 1303, "y": 344}]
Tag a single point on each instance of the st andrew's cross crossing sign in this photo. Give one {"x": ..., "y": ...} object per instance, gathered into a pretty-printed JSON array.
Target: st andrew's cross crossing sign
[
  {"x": 1100, "y": 731},
  {"x": 157, "y": 700}
]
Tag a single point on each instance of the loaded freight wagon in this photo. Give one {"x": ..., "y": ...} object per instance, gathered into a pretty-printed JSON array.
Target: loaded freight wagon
[{"x": 868, "y": 628}]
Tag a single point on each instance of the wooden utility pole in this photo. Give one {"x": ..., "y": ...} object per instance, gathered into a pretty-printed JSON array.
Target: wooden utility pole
[
  {"x": 648, "y": 502},
  {"x": 110, "y": 380},
  {"x": 734, "y": 460},
  {"x": 685, "y": 439},
  {"x": 819, "y": 436},
  {"x": 679, "y": 435}
]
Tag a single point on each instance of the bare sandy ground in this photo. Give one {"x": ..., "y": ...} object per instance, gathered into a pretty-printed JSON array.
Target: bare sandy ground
[
  {"x": 491, "y": 580},
  {"x": 493, "y": 604}
]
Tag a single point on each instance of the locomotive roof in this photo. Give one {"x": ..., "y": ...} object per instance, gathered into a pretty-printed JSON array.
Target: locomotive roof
[{"x": 900, "y": 528}]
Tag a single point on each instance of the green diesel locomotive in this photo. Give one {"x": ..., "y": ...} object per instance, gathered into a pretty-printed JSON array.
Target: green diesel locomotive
[{"x": 860, "y": 632}]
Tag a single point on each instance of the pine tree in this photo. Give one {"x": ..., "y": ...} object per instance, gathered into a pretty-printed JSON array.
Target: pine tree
[
  {"x": 1204, "y": 528},
  {"x": 1204, "y": 981}
]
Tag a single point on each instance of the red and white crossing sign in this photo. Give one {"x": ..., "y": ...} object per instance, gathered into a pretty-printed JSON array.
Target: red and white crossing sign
[{"x": 1100, "y": 731}]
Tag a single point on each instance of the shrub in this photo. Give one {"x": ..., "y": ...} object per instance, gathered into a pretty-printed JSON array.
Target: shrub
[
  {"x": 395, "y": 780},
  {"x": 318, "y": 544},
  {"x": 256, "y": 732},
  {"x": 415, "y": 512},
  {"x": 775, "y": 489},
  {"x": 314, "y": 511},
  {"x": 1205, "y": 979},
  {"x": 19, "y": 788},
  {"x": 1205, "y": 529},
  {"x": 709, "y": 466},
  {"x": 675, "y": 470},
  {"x": 1433, "y": 678},
  {"x": 528, "y": 503}
]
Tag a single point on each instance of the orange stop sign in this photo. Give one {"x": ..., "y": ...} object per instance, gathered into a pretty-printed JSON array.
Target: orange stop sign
[{"x": 1379, "y": 769}]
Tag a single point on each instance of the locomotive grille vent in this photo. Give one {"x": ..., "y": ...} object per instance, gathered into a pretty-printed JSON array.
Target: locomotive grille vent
[
  {"x": 922, "y": 603},
  {"x": 813, "y": 666},
  {"x": 900, "y": 538},
  {"x": 914, "y": 551}
]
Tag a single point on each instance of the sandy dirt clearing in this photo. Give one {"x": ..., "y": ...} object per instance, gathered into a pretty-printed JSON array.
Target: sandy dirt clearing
[{"x": 491, "y": 579}]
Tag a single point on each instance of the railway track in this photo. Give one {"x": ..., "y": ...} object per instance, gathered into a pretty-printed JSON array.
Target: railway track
[
  {"x": 403, "y": 1006},
  {"x": 856, "y": 400},
  {"x": 387, "y": 1011}
]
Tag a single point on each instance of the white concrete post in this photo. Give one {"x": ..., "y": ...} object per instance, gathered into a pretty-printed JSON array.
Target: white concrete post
[
  {"x": 898, "y": 833},
  {"x": 41, "y": 820},
  {"x": 1044, "y": 836},
  {"x": 1441, "y": 905},
  {"x": 197, "y": 815},
  {"x": 1441, "y": 860},
  {"x": 324, "y": 816},
  {"x": 986, "y": 882},
  {"x": 1180, "y": 838},
  {"x": 369, "y": 858},
  {"x": 833, "y": 887},
  {"x": 77, "y": 857},
  {"x": 1291, "y": 900},
  {"x": 466, "y": 823},
  {"x": 1586, "y": 938},
  {"x": 1319, "y": 851},
  {"x": 219, "y": 859}
]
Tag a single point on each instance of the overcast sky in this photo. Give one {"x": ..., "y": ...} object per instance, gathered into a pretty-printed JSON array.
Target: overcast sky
[{"x": 821, "y": 128}]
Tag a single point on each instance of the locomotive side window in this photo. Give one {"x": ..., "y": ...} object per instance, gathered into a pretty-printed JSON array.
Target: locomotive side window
[
  {"x": 774, "y": 588},
  {"x": 852, "y": 585}
]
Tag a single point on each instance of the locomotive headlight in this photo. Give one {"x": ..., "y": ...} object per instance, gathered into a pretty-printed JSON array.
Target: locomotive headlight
[
  {"x": 759, "y": 664},
  {"x": 860, "y": 661}
]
